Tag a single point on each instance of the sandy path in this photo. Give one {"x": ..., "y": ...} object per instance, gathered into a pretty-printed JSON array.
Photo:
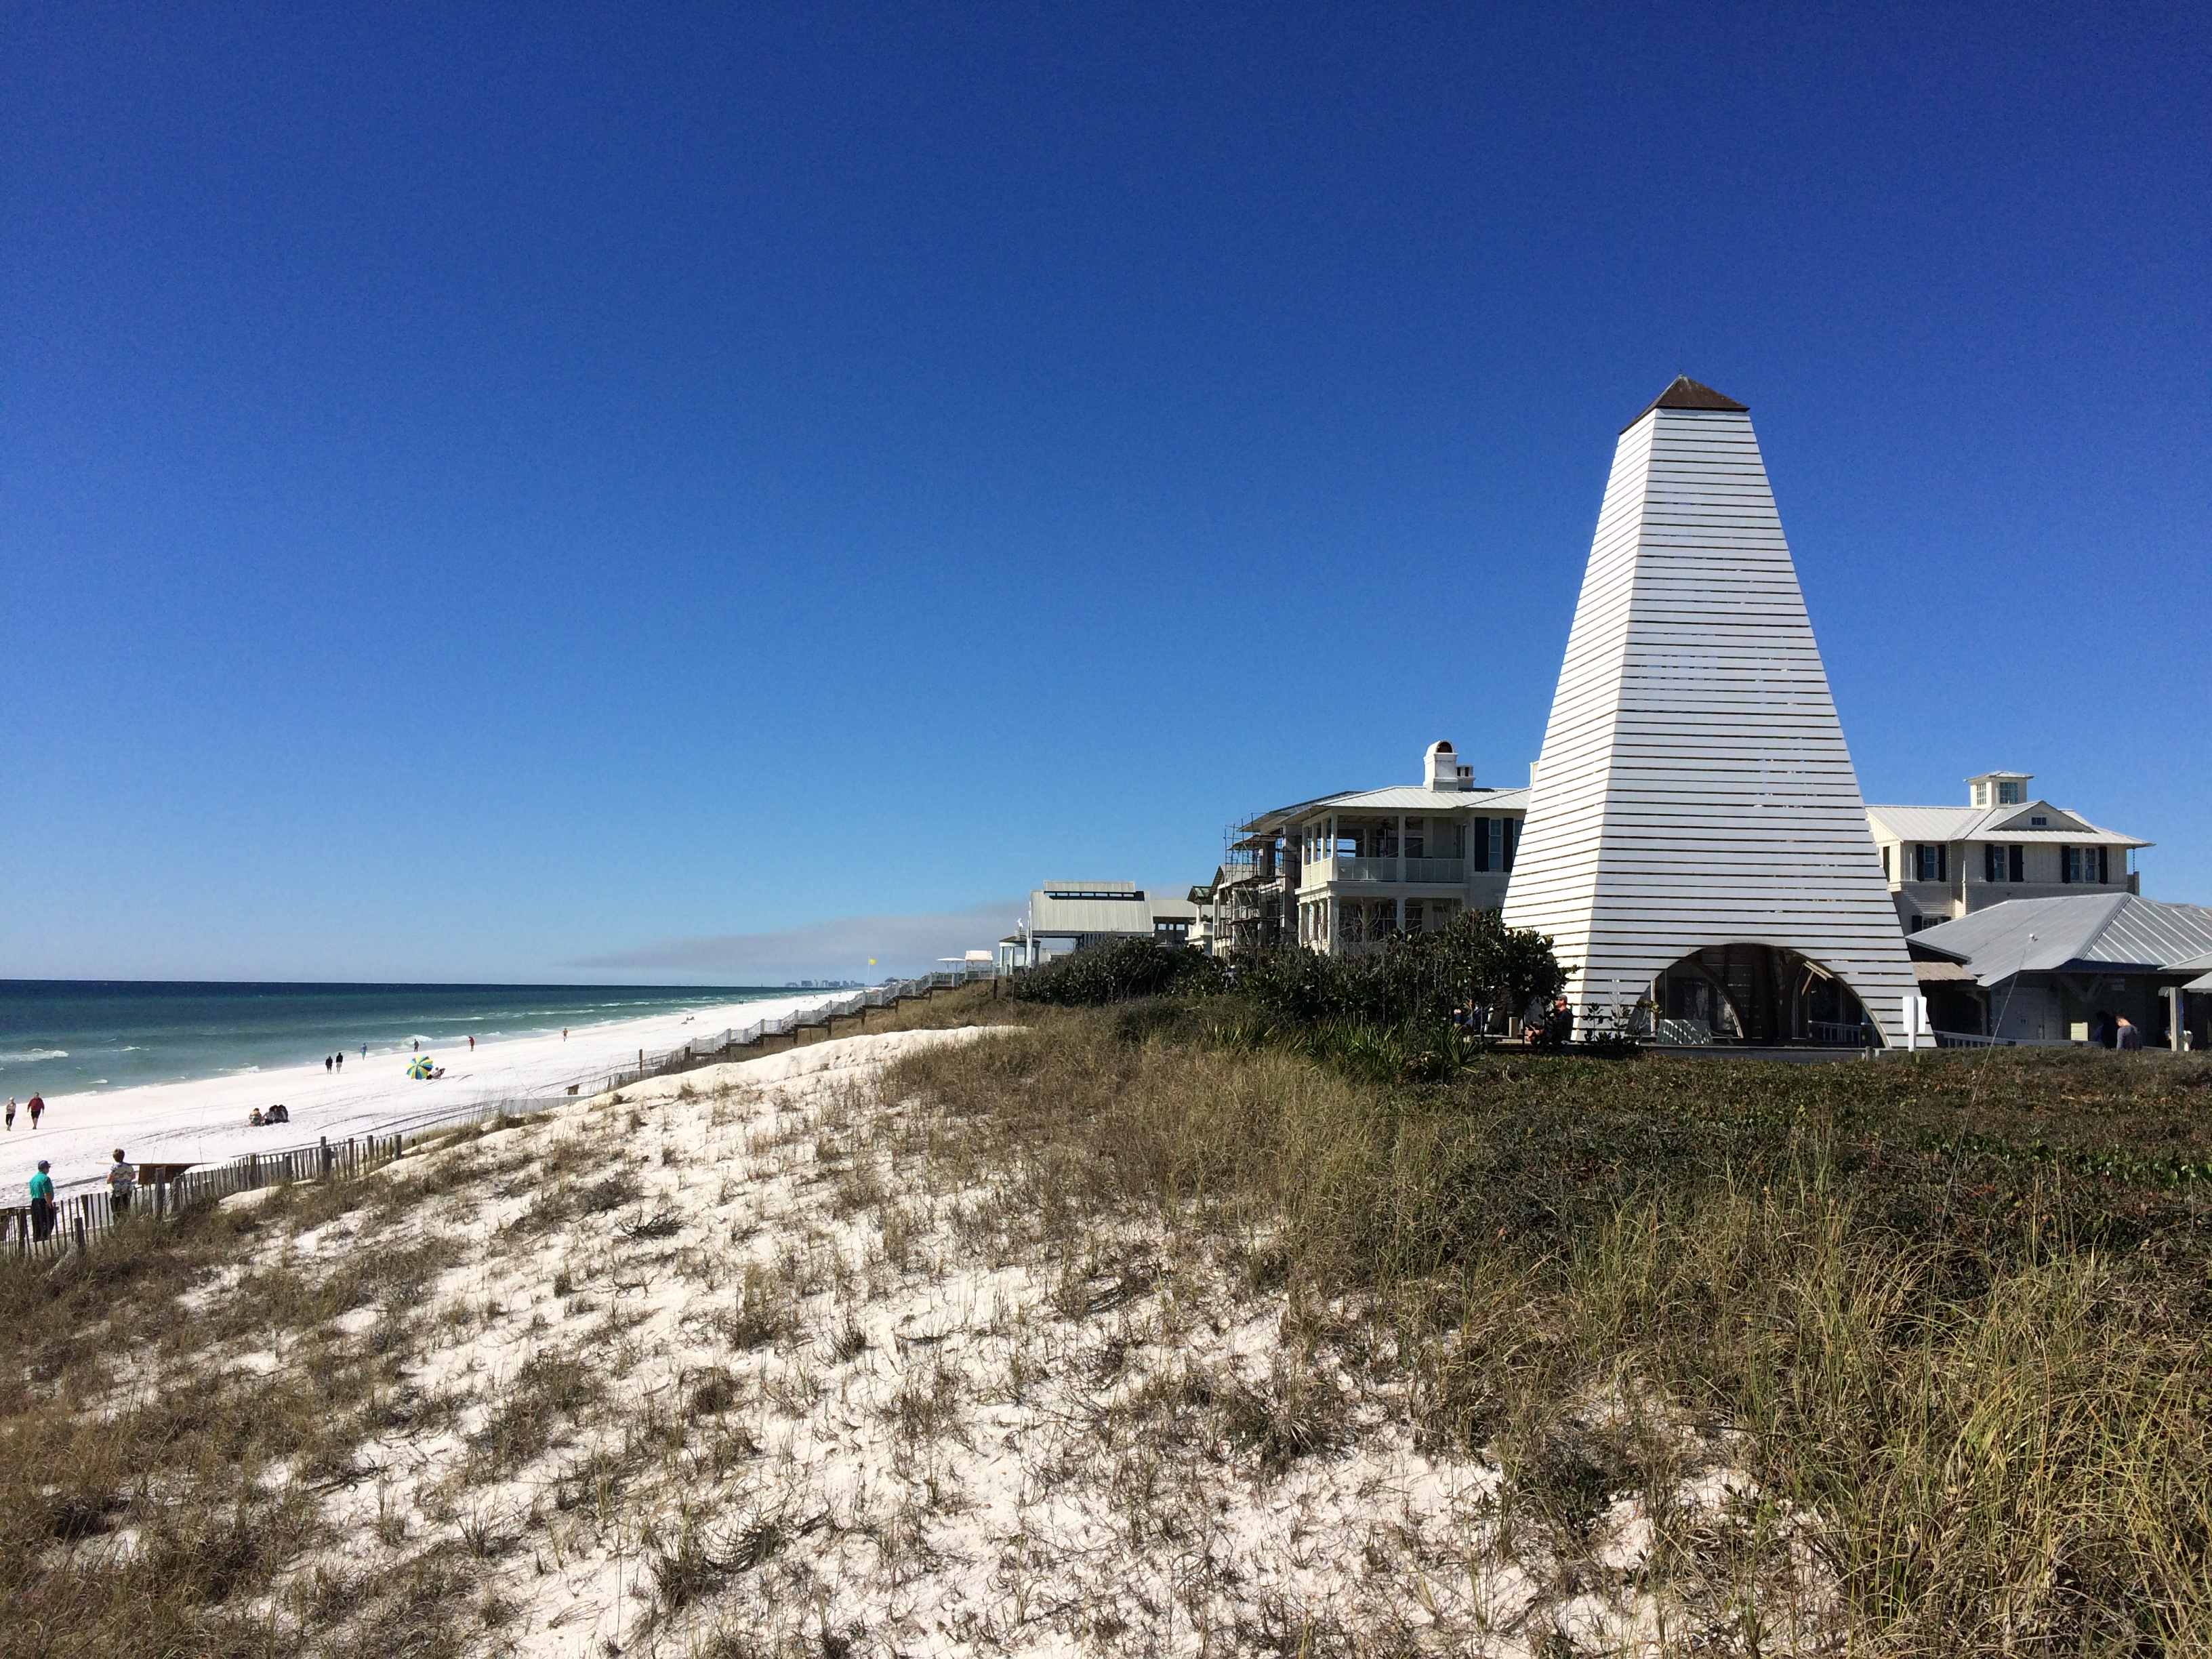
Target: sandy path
[{"x": 205, "y": 1120}]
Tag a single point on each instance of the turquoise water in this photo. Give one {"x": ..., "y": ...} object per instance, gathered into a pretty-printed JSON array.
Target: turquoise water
[{"x": 59, "y": 1037}]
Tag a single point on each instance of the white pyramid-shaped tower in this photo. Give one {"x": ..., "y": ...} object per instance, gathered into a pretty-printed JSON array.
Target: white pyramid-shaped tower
[{"x": 1694, "y": 789}]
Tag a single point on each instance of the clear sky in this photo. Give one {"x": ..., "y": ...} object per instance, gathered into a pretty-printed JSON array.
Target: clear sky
[{"x": 557, "y": 493}]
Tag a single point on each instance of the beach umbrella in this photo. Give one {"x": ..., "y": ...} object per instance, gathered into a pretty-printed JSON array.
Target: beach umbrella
[{"x": 420, "y": 1068}]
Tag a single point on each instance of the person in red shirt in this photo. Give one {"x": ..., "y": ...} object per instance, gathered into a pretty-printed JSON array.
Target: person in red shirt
[{"x": 37, "y": 1109}]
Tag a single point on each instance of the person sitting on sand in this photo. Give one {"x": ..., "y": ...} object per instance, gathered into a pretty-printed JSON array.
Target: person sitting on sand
[
  {"x": 255, "y": 1118},
  {"x": 280, "y": 1113}
]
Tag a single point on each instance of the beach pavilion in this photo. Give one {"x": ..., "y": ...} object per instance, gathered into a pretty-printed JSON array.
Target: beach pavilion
[{"x": 1695, "y": 833}]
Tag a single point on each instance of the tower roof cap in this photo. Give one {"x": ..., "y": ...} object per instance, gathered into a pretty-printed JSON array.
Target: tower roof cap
[{"x": 1686, "y": 393}]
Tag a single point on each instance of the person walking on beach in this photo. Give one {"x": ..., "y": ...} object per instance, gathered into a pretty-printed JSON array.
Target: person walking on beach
[
  {"x": 11, "y": 1113},
  {"x": 37, "y": 1109},
  {"x": 341, "y": 1059},
  {"x": 326, "y": 1062},
  {"x": 122, "y": 1181},
  {"x": 42, "y": 1202}
]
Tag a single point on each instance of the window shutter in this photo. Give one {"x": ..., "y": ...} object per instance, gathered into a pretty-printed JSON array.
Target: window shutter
[
  {"x": 1512, "y": 843},
  {"x": 1482, "y": 843},
  {"x": 2019, "y": 862},
  {"x": 2103, "y": 864}
]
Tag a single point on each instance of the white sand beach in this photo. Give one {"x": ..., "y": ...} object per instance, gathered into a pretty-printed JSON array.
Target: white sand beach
[{"x": 205, "y": 1120}]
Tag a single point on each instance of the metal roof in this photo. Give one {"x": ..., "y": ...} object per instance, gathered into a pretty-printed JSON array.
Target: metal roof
[
  {"x": 1997, "y": 824},
  {"x": 1415, "y": 800},
  {"x": 1686, "y": 393},
  {"x": 2095, "y": 932}
]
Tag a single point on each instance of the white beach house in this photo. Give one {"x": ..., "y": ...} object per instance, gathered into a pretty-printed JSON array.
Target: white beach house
[
  {"x": 1066, "y": 916},
  {"x": 1945, "y": 862},
  {"x": 1345, "y": 871}
]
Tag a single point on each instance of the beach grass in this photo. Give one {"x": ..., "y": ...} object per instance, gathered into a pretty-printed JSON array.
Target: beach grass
[{"x": 1136, "y": 1329}]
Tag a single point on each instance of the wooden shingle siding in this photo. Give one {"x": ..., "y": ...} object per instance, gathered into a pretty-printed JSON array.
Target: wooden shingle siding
[{"x": 1694, "y": 788}]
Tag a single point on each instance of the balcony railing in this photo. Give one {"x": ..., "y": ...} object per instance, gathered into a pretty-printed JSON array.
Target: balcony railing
[
  {"x": 1445, "y": 870},
  {"x": 1320, "y": 872}
]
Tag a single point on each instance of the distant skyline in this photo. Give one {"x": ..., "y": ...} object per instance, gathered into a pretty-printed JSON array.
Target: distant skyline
[{"x": 515, "y": 496}]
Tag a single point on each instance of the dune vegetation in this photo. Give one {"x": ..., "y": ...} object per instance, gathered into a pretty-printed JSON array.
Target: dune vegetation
[{"x": 1159, "y": 1327}]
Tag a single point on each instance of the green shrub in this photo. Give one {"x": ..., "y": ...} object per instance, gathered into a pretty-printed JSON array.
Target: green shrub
[
  {"x": 1120, "y": 972},
  {"x": 1415, "y": 981}
]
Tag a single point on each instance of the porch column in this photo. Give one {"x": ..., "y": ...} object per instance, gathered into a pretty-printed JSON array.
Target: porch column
[
  {"x": 1401, "y": 850},
  {"x": 2175, "y": 1006}
]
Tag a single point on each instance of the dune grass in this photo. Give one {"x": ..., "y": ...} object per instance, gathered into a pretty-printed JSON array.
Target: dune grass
[
  {"x": 1906, "y": 1357},
  {"x": 1951, "y": 1311}
]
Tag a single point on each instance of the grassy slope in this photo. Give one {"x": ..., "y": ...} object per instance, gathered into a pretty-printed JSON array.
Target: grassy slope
[
  {"x": 1954, "y": 1310},
  {"x": 1958, "y": 1306}
]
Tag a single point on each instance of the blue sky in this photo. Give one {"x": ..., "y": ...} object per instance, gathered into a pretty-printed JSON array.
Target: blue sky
[{"x": 500, "y": 493}]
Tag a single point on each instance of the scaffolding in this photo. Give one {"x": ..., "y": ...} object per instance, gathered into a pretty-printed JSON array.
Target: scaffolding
[{"x": 1250, "y": 889}]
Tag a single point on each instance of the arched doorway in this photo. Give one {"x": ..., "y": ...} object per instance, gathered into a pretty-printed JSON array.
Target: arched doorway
[{"x": 1757, "y": 995}]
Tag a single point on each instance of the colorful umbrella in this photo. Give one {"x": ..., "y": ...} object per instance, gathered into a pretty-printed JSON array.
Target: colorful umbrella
[{"x": 420, "y": 1068}]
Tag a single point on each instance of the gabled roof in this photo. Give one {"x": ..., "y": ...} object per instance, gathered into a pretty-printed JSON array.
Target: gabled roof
[
  {"x": 2001, "y": 823},
  {"x": 2096, "y": 933},
  {"x": 1686, "y": 393}
]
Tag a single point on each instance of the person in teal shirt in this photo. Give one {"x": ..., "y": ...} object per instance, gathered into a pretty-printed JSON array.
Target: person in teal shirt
[{"x": 42, "y": 1201}]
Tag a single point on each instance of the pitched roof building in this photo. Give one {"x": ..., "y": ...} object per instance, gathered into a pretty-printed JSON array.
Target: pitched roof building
[
  {"x": 1945, "y": 862},
  {"x": 2044, "y": 968}
]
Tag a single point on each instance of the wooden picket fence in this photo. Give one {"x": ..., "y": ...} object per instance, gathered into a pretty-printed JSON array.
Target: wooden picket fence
[{"x": 80, "y": 1217}]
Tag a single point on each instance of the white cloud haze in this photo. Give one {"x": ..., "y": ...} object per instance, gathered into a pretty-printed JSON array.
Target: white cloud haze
[{"x": 838, "y": 949}]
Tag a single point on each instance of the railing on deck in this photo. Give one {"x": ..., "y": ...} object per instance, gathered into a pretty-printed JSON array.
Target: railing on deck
[
  {"x": 1442, "y": 870},
  {"x": 80, "y": 1216},
  {"x": 1968, "y": 1040}
]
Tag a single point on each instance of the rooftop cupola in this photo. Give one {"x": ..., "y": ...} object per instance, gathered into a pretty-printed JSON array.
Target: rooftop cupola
[
  {"x": 1999, "y": 789},
  {"x": 1443, "y": 770}
]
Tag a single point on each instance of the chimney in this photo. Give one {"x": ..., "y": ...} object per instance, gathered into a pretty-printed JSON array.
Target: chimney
[{"x": 1443, "y": 770}]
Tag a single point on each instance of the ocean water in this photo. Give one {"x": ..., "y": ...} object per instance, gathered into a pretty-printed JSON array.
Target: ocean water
[{"x": 60, "y": 1036}]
